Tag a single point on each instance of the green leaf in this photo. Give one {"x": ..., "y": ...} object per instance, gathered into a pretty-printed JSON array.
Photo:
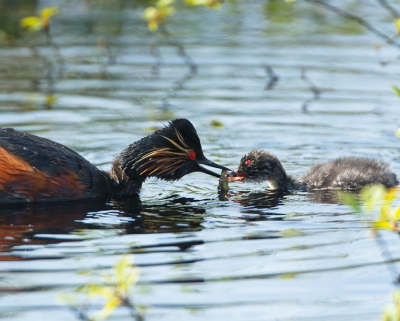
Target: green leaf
[
  {"x": 351, "y": 200},
  {"x": 372, "y": 195},
  {"x": 396, "y": 90},
  {"x": 216, "y": 123}
]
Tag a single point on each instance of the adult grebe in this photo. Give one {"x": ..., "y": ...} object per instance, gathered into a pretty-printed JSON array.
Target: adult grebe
[{"x": 35, "y": 169}]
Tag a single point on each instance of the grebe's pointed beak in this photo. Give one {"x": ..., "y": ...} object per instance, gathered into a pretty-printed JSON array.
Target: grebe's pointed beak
[{"x": 205, "y": 161}]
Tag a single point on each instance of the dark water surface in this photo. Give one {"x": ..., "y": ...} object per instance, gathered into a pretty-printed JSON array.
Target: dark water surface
[{"x": 254, "y": 257}]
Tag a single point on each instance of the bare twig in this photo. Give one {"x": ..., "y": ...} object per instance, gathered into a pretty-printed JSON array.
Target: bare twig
[
  {"x": 358, "y": 19},
  {"x": 49, "y": 72},
  {"x": 390, "y": 8},
  {"x": 272, "y": 78},
  {"x": 316, "y": 91},
  {"x": 132, "y": 310},
  {"x": 56, "y": 49},
  {"x": 181, "y": 50}
]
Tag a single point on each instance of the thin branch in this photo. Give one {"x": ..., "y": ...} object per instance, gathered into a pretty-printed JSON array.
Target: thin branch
[
  {"x": 316, "y": 91},
  {"x": 358, "y": 19},
  {"x": 132, "y": 310},
  {"x": 181, "y": 50},
  {"x": 390, "y": 8},
  {"x": 56, "y": 50},
  {"x": 273, "y": 78}
]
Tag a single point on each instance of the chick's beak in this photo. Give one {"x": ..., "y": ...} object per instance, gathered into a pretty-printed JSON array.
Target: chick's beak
[
  {"x": 236, "y": 176},
  {"x": 205, "y": 161}
]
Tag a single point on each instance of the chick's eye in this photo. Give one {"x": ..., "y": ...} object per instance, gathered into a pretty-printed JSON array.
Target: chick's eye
[
  {"x": 192, "y": 155},
  {"x": 248, "y": 162}
]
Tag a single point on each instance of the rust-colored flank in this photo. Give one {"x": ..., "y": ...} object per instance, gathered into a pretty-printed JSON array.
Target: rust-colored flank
[{"x": 25, "y": 181}]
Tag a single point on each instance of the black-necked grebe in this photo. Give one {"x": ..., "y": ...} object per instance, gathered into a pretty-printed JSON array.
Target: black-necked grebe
[
  {"x": 345, "y": 173},
  {"x": 35, "y": 169}
]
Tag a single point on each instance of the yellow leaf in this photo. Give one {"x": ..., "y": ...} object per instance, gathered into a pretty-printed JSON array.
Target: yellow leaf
[
  {"x": 390, "y": 195},
  {"x": 216, "y": 123},
  {"x": 382, "y": 225},
  {"x": 215, "y": 4},
  {"x": 153, "y": 26},
  {"x": 398, "y": 132},
  {"x": 132, "y": 276},
  {"x": 287, "y": 276},
  {"x": 122, "y": 264},
  {"x": 108, "y": 309},
  {"x": 50, "y": 100},
  {"x": 49, "y": 12},
  {"x": 32, "y": 23},
  {"x": 396, "y": 90},
  {"x": 149, "y": 13},
  {"x": 397, "y": 24},
  {"x": 396, "y": 214},
  {"x": 291, "y": 233},
  {"x": 96, "y": 290},
  {"x": 156, "y": 16},
  {"x": 372, "y": 195}
]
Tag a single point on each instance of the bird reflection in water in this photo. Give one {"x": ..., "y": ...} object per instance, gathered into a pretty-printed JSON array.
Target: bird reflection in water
[{"x": 25, "y": 224}]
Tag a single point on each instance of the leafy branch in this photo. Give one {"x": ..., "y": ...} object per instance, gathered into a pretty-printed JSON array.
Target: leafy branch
[
  {"x": 372, "y": 199},
  {"x": 115, "y": 291}
]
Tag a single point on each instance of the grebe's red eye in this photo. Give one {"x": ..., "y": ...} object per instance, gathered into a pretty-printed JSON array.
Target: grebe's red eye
[
  {"x": 248, "y": 162},
  {"x": 192, "y": 155}
]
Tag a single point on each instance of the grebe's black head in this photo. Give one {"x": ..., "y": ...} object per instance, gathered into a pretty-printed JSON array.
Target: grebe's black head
[
  {"x": 259, "y": 166},
  {"x": 169, "y": 153}
]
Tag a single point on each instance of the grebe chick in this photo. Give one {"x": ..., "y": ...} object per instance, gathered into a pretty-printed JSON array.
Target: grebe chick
[
  {"x": 35, "y": 169},
  {"x": 344, "y": 173}
]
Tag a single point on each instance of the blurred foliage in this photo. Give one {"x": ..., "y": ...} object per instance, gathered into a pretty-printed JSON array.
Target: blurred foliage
[
  {"x": 156, "y": 15},
  {"x": 376, "y": 199},
  {"x": 396, "y": 90},
  {"x": 392, "y": 311},
  {"x": 36, "y": 23},
  {"x": 115, "y": 290}
]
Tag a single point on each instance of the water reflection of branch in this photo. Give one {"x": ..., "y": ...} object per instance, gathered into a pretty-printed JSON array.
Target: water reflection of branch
[
  {"x": 48, "y": 68},
  {"x": 155, "y": 52},
  {"x": 109, "y": 57},
  {"x": 181, "y": 50},
  {"x": 316, "y": 91},
  {"x": 273, "y": 78},
  {"x": 385, "y": 252},
  {"x": 358, "y": 19},
  {"x": 390, "y": 8},
  {"x": 179, "y": 85}
]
